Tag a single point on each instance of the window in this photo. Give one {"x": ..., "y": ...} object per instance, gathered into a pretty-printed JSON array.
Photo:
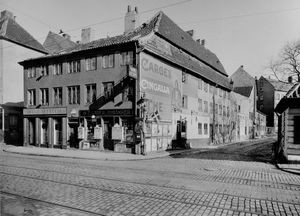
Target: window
[
  {"x": 74, "y": 94},
  {"x": 108, "y": 89},
  {"x": 90, "y": 64},
  {"x": 184, "y": 77},
  {"x": 44, "y": 96},
  {"x": 220, "y": 109},
  {"x": 127, "y": 94},
  {"x": 57, "y": 95},
  {"x": 199, "y": 105},
  {"x": 239, "y": 108},
  {"x": 90, "y": 93},
  {"x": 224, "y": 111},
  {"x": 227, "y": 111},
  {"x": 205, "y": 87},
  {"x": 246, "y": 130},
  {"x": 277, "y": 96},
  {"x": 216, "y": 107},
  {"x": 31, "y": 72},
  {"x": 127, "y": 58},
  {"x": 73, "y": 66},
  {"x": 108, "y": 61},
  {"x": 220, "y": 92},
  {"x": 220, "y": 128},
  {"x": 44, "y": 71},
  {"x": 205, "y": 128},
  {"x": 57, "y": 69},
  {"x": 200, "y": 84},
  {"x": 31, "y": 97},
  {"x": 205, "y": 106},
  {"x": 200, "y": 128},
  {"x": 211, "y": 107},
  {"x": 184, "y": 101},
  {"x": 261, "y": 97},
  {"x": 224, "y": 94}
]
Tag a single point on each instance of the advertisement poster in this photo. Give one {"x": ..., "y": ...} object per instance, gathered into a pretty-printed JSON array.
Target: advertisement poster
[{"x": 162, "y": 86}]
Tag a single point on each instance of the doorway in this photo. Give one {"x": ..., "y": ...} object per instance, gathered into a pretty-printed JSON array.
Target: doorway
[
  {"x": 31, "y": 131},
  {"x": 44, "y": 132},
  {"x": 107, "y": 128}
]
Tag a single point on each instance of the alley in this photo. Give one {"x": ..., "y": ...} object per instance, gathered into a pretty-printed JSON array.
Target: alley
[{"x": 167, "y": 186}]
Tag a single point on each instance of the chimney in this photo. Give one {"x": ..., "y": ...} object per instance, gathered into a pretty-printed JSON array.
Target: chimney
[
  {"x": 199, "y": 41},
  {"x": 290, "y": 79},
  {"x": 7, "y": 14},
  {"x": 87, "y": 35},
  {"x": 242, "y": 67},
  {"x": 190, "y": 32},
  {"x": 67, "y": 36},
  {"x": 203, "y": 42},
  {"x": 131, "y": 20}
]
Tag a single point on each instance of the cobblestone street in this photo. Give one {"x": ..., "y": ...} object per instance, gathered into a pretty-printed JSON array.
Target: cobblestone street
[{"x": 38, "y": 185}]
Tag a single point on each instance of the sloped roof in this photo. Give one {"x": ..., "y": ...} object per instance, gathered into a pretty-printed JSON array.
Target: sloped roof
[
  {"x": 55, "y": 43},
  {"x": 280, "y": 86},
  {"x": 11, "y": 31},
  {"x": 291, "y": 99},
  {"x": 245, "y": 91},
  {"x": 242, "y": 78}
]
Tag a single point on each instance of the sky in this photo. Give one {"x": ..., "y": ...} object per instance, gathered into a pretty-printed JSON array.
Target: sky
[{"x": 239, "y": 32}]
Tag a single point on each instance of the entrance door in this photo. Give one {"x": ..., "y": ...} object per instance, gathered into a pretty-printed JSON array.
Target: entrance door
[
  {"x": 57, "y": 132},
  {"x": 44, "y": 131},
  {"x": 108, "y": 142},
  {"x": 31, "y": 131}
]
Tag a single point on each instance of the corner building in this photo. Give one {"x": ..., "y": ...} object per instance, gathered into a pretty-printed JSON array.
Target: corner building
[{"x": 154, "y": 85}]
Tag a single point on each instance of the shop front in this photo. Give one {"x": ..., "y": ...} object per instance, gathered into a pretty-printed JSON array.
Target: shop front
[
  {"x": 45, "y": 127},
  {"x": 110, "y": 129}
]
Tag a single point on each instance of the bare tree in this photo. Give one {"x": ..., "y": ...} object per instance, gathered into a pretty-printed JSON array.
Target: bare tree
[{"x": 288, "y": 62}]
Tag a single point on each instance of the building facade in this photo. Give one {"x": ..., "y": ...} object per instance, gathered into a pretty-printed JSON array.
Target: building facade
[
  {"x": 269, "y": 94},
  {"x": 152, "y": 88}
]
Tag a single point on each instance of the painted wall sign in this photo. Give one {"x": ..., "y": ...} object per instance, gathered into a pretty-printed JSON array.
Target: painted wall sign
[
  {"x": 46, "y": 111},
  {"x": 112, "y": 112},
  {"x": 162, "y": 86}
]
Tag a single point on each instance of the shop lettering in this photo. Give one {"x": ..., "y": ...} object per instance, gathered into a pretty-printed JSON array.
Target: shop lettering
[
  {"x": 155, "y": 87},
  {"x": 153, "y": 106},
  {"x": 154, "y": 68}
]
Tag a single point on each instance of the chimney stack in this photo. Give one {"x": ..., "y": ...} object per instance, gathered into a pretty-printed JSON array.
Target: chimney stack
[
  {"x": 131, "y": 20},
  {"x": 87, "y": 35},
  {"x": 199, "y": 41},
  {"x": 190, "y": 32},
  {"x": 7, "y": 14},
  {"x": 290, "y": 79},
  {"x": 203, "y": 42},
  {"x": 67, "y": 36}
]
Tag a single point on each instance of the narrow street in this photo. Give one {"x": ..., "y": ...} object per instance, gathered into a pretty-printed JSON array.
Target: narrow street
[{"x": 34, "y": 185}]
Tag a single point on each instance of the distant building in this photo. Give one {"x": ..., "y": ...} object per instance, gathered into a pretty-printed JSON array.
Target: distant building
[
  {"x": 244, "y": 84},
  {"x": 13, "y": 122},
  {"x": 269, "y": 94},
  {"x": 288, "y": 110},
  {"x": 16, "y": 44},
  {"x": 152, "y": 88},
  {"x": 55, "y": 43}
]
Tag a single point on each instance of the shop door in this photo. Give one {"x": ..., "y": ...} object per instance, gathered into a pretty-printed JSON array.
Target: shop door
[
  {"x": 44, "y": 132},
  {"x": 57, "y": 132},
  {"x": 108, "y": 142},
  {"x": 31, "y": 130}
]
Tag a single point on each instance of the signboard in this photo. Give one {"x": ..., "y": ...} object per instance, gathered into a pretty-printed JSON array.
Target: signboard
[
  {"x": 110, "y": 112},
  {"x": 98, "y": 134},
  {"x": 81, "y": 131},
  {"x": 117, "y": 133},
  {"x": 46, "y": 111},
  {"x": 162, "y": 86}
]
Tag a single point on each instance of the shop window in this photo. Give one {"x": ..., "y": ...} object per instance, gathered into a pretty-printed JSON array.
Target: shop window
[
  {"x": 205, "y": 128},
  {"x": 108, "y": 61},
  {"x": 127, "y": 58},
  {"x": 200, "y": 128},
  {"x": 184, "y": 102},
  {"x": 44, "y": 96},
  {"x": 91, "y": 93},
  {"x": 199, "y": 105},
  {"x": 91, "y": 64},
  {"x": 31, "y": 97},
  {"x": 73, "y": 66},
  {"x": 74, "y": 94},
  {"x": 57, "y": 95},
  {"x": 57, "y": 69}
]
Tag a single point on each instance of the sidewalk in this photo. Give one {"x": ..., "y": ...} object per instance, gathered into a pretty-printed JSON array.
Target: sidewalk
[{"x": 109, "y": 155}]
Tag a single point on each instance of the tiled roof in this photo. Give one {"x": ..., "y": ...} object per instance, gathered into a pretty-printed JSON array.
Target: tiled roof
[
  {"x": 10, "y": 30},
  {"x": 172, "y": 32},
  {"x": 280, "y": 86},
  {"x": 242, "y": 78},
  {"x": 246, "y": 90},
  {"x": 55, "y": 43}
]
